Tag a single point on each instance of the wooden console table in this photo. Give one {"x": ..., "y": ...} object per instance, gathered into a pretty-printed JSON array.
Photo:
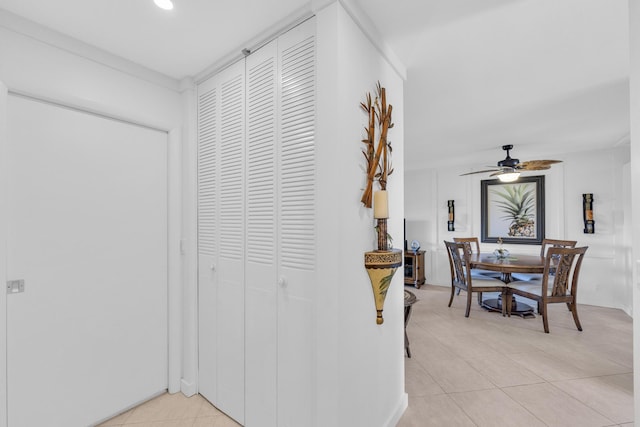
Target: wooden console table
[{"x": 414, "y": 268}]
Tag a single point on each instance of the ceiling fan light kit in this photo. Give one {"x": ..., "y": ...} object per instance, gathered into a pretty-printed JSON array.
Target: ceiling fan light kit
[
  {"x": 509, "y": 169},
  {"x": 164, "y": 4},
  {"x": 509, "y": 176}
]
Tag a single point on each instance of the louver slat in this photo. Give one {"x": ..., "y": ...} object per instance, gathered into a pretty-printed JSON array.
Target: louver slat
[
  {"x": 207, "y": 183},
  {"x": 261, "y": 119},
  {"x": 297, "y": 154}
]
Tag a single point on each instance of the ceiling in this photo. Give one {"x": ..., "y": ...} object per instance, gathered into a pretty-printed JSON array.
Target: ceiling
[{"x": 548, "y": 76}]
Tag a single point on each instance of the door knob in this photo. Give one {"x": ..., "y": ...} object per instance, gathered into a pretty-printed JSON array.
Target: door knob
[{"x": 282, "y": 282}]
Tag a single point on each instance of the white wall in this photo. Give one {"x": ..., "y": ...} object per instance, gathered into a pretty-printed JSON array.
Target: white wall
[
  {"x": 634, "y": 49},
  {"x": 360, "y": 372},
  {"x": 605, "y": 274},
  {"x": 3, "y": 252}
]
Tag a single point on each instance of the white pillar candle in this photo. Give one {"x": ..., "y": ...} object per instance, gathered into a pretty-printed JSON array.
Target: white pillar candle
[{"x": 380, "y": 204}]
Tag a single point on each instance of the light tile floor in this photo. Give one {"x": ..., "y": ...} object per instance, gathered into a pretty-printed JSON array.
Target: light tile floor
[
  {"x": 489, "y": 370},
  {"x": 173, "y": 410},
  {"x": 484, "y": 370}
]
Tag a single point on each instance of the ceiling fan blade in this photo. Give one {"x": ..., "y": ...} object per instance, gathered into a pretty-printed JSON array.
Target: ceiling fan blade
[
  {"x": 537, "y": 165},
  {"x": 484, "y": 171}
]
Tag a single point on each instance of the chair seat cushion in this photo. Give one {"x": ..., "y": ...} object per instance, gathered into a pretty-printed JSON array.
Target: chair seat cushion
[
  {"x": 532, "y": 287},
  {"x": 483, "y": 274},
  {"x": 486, "y": 282},
  {"x": 526, "y": 276}
]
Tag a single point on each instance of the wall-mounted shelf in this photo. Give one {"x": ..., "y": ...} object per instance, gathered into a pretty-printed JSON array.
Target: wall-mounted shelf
[{"x": 381, "y": 266}]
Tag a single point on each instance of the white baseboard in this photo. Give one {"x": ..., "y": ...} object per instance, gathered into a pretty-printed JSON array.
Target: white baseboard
[
  {"x": 402, "y": 406},
  {"x": 188, "y": 389},
  {"x": 130, "y": 407}
]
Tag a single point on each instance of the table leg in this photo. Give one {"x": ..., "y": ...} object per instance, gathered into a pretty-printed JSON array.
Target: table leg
[
  {"x": 407, "y": 315},
  {"x": 406, "y": 344}
]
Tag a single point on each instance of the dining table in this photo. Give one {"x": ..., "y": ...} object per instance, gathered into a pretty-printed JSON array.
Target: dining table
[{"x": 506, "y": 266}]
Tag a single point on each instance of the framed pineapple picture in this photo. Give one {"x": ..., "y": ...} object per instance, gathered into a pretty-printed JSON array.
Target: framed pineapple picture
[{"x": 513, "y": 211}]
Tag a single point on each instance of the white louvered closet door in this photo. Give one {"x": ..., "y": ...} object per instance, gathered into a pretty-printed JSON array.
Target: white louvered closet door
[
  {"x": 257, "y": 234},
  {"x": 261, "y": 254},
  {"x": 221, "y": 134},
  {"x": 296, "y": 226}
]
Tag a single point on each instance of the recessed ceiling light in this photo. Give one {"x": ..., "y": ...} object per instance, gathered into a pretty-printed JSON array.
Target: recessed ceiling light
[{"x": 164, "y": 4}]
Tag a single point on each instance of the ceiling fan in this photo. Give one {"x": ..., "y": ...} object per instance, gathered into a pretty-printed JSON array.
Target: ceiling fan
[{"x": 508, "y": 170}]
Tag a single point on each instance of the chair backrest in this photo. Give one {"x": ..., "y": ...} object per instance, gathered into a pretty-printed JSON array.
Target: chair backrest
[
  {"x": 459, "y": 253},
  {"x": 473, "y": 241},
  {"x": 564, "y": 264},
  {"x": 555, "y": 243}
]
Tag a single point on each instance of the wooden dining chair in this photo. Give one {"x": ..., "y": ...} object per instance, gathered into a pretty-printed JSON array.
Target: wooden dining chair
[
  {"x": 561, "y": 287},
  {"x": 459, "y": 262},
  {"x": 546, "y": 244},
  {"x": 555, "y": 243},
  {"x": 477, "y": 273},
  {"x": 474, "y": 247}
]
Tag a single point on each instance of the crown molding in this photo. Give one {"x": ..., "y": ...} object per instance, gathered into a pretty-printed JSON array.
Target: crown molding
[{"x": 27, "y": 28}]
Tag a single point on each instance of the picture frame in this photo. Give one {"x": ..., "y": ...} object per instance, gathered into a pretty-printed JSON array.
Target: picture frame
[{"x": 513, "y": 211}]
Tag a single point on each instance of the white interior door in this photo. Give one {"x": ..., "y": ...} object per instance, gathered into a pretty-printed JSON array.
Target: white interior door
[
  {"x": 88, "y": 235},
  {"x": 221, "y": 235},
  {"x": 297, "y": 226},
  {"x": 261, "y": 308}
]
